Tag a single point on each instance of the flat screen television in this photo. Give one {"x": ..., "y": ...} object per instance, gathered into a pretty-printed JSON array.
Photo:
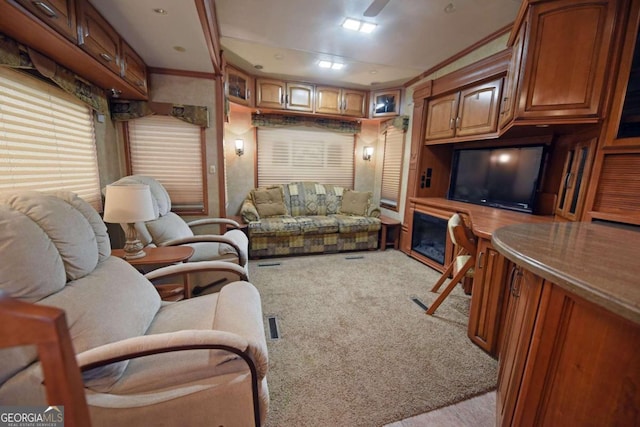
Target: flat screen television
[{"x": 501, "y": 177}]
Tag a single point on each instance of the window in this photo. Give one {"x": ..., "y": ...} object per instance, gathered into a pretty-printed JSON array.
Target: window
[
  {"x": 47, "y": 141},
  {"x": 287, "y": 155},
  {"x": 170, "y": 151},
  {"x": 392, "y": 167}
]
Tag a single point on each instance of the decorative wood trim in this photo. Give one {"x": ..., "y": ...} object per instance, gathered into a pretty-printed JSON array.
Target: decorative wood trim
[
  {"x": 491, "y": 37},
  {"x": 219, "y": 144},
  {"x": 255, "y": 157},
  {"x": 127, "y": 147},
  {"x": 423, "y": 91},
  {"x": 209, "y": 21},
  {"x": 489, "y": 67},
  {"x": 203, "y": 168},
  {"x": 182, "y": 73}
]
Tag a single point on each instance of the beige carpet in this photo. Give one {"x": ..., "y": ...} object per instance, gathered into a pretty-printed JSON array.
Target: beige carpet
[{"x": 354, "y": 350}]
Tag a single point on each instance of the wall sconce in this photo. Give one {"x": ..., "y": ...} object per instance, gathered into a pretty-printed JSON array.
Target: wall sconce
[
  {"x": 239, "y": 147},
  {"x": 367, "y": 152}
]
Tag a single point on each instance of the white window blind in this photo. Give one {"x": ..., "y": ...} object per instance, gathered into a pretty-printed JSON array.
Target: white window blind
[
  {"x": 392, "y": 166},
  {"x": 287, "y": 155},
  {"x": 170, "y": 151},
  {"x": 47, "y": 141}
]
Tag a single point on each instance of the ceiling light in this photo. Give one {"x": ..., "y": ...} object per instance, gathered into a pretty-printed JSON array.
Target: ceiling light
[
  {"x": 367, "y": 27},
  {"x": 337, "y": 66},
  {"x": 450, "y": 8},
  {"x": 351, "y": 24},
  {"x": 258, "y": 67},
  {"x": 356, "y": 25},
  {"x": 373, "y": 72},
  {"x": 278, "y": 56},
  {"x": 160, "y": 11},
  {"x": 325, "y": 64},
  {"x": 179, "y": 49}
]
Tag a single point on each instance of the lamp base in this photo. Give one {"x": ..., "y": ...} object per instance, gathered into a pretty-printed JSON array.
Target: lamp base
[{"x": 132, "y": 246}]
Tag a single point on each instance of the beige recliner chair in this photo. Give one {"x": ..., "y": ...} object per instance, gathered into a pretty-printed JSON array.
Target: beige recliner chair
[
  {"x": 169, "y": 229},
  {"x": 200, "y": 361}
]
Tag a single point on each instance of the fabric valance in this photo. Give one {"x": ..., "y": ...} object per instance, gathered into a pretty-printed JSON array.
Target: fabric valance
[
  {"x": 123, "y": 110},
  {"x": 400, "y": 122},
  {"x": 282, "y": 120},
  {"x": 15, "y": 55}
]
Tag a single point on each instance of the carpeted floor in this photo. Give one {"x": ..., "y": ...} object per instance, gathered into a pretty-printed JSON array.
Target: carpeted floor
[{"x": 354, "y": 350}]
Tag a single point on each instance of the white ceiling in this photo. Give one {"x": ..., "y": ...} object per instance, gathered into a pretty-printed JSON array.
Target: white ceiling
[{"x": 288, "y": 37}]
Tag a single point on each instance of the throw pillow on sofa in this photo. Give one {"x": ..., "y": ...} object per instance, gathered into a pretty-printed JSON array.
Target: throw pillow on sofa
[
  {"x": 355, "y": 202},
  {"x": 269, "y": 201}
]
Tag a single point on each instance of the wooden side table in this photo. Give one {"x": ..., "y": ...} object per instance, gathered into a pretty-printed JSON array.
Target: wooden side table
[
  {"x": 163, "y": 256},
  {"x": 389, "y": 232}
]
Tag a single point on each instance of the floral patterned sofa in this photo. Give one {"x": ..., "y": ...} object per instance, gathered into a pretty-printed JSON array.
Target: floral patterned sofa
[{"x": 308, "y": 217}]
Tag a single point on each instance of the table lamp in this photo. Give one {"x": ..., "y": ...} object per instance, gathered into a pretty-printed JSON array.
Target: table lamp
[{"x": 129, "y": 204}]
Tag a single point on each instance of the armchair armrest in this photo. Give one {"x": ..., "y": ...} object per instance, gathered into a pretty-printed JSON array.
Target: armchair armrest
[
  {"x": 230, "y": 238},
  {"x": 195, "y": 267},
  {"x": 209, "y": 221},
  {"x": 248, "y": 211}
]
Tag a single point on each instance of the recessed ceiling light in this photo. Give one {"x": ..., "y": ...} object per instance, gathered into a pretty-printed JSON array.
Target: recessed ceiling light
[
  {"x": 373, "y": 72},
  {"x": 179, "y": 49},
  {"x": 450, "y": 8},
  {"x": 325, "y": 64},
  {"x": 351, "y": 24},
  {"x": 367, "y": 27},
  {"x": 258, "y": 67},
  {"x": 160, "y": 11},
  {"x": 337, "y": 66}
]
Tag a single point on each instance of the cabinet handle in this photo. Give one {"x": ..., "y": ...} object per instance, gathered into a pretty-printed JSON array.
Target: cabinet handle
[
  {"x": 45, "y": 8},
  {"x": 106, "y": 57},
  {"x": 515, "y": 282},
  {"x": 249, "y": 94},
  {"x": 458, "y": 122},
  {"x": 286, "y": 99},
  {"x": 282, "y": 98},
  {"x": 140, "y": 83},
  {"x": 451, "y": 123},
  {"x": 480, "y": 255},
  {"x": 567, "y": 181}
]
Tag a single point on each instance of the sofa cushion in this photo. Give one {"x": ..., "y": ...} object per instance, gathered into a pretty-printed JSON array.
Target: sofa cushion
[
  {"x": 278, "y": 226},
  {"x": 317, "y": 224},
  {"x": 356, "y": 224},
  {"x": 355, "y": 203},
  {"x": 269, "y": 201}
]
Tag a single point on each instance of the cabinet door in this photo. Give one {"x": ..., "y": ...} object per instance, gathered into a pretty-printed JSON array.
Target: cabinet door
[
  {"x": 478, "y": 109},
  {"x": 573, "y": 187},
  {"x": 489, "y": 282},
  {"x": 58, "y": 14},
  {"x": 299, "y": 97},
  {"x": 98, "y": 38},
  {"x": 239, "y": 87},
  {"x": 328, "y": 100},
  {"x": 524, "y": 296},
  {"x": 134, "y": 69},
  {"x": 354, "y": 103},
  {"x": 270, "y": 93},
  {"x": 441, "y": 116},
  {"x": 566, "y": 58},
  {"x": 512, "y": 79}
]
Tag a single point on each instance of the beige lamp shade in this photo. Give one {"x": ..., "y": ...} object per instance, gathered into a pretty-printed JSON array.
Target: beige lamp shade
[{"x": 128, "y": 204}]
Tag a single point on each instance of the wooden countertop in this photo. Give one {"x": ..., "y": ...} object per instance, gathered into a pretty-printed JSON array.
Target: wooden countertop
[
  {"x": 596, "y": 262},
  {"x": 484, "y": 219}
]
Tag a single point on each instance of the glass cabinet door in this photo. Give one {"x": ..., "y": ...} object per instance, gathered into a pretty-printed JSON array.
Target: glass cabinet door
[{"x": 239, "y": 87}]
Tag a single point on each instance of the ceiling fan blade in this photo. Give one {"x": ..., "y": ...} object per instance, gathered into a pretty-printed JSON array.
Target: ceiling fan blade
[{"x": 375, "y": 8}]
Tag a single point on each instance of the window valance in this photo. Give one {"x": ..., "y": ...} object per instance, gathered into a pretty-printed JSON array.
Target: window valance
[
  {"x": 123, "y": 110},
  {"x": 282, "y": 120},
  {"x": 16, "y": 55},
  {"x": 400, "y": 122}
]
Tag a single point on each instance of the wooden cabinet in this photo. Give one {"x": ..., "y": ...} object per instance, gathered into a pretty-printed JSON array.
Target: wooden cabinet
[
  {"x": 386, "y": 103},
  {"x": 564, "y": 60},
  {"x": 524, "y": 293},
  {"x": 489, "y": 283},
  {"x": 575, "y": 177},
  {"x": 58, "y": 14},
  {"x": 134, "y": 69},
  {"x": 98, "y": 38},
  {"x": 282, "y": 95},
  {"x": 472, "y": 111},
  {"x": 512, "y": 78},
  {"x": 339, "y": 101},
  {"x": 239, "y": 87}
]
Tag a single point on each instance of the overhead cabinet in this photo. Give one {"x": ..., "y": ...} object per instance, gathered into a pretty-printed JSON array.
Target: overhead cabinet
[
  {"x": 346, "y": 102},
  {"x": 560, "y": 57},
  {"x": 471, "y": 111},
  {"x": 282, "y": 95},
  {"x": 98, "y": 38},
  {"x": 239, "y": 87},
  {"x": 58, "y": 14}
]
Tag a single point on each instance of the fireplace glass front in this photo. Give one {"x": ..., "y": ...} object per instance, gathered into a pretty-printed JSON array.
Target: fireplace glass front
[{"x": 429, "y": 236}]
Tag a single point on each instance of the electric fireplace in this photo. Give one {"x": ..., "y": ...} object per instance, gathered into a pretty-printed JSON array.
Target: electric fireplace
[{"x": 429, "y": 236}]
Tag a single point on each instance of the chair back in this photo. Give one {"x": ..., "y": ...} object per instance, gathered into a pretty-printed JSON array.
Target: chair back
[{"x": 460, "y": 234}]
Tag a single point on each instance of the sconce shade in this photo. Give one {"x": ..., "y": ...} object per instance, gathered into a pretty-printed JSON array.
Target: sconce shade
[
  {"x": 128, "y": 204},
  {"x": 367, "y": 153},
  {"x": 239, "y": 147}
]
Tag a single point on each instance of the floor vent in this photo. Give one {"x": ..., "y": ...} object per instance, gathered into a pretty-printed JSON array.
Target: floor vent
[
  {"x": 419, "y": 303},
  {"x": 268, "y": 264},
  {"x": 354, "y": 257},
  {"x": 274, "y": 333}
]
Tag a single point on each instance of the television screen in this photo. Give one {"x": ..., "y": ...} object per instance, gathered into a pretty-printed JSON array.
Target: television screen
[{"x": 499, "y": 177}]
